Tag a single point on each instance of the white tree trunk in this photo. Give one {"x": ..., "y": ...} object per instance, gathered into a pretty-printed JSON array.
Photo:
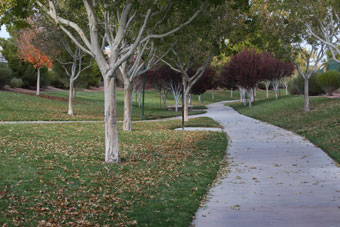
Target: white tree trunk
[
  {"x": 199, "y": 97},
  {"x": 244, "y": 96},
  {"x": 74, "y": 91},
  {"x": 127, "y": 106},
  {"x": 306, "y": 96},
  {"x": 267, "y": 84},
  {"x": 38, "y": 82},
  {"x": 241, "y": 94},
  {"x": 286, "y": 85},
  {"x": 70, "y": 98},
  {"x": 185, "y": 98},
  {"x": 190, "y": 99},
  {"x": 276, "y": 84},
  {"x": 111, "y": 132},
  {"x": 255, "y": 91},
  {"x": 176, "y": 105},
  {"x": 250, "y": 99},
  {"x": 164, "y": 98}
]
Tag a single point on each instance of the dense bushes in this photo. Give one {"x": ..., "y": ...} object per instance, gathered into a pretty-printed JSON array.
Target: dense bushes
[
  {"x": 329, "y": 81},
  {"x": 296, "y": 86},
  {"x": 5, "y": 75},
  {"x": 15, "y": 83}
]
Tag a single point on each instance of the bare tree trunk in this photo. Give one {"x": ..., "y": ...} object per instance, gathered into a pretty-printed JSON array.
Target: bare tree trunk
[
  {"x": 111, "y": 132},
  {"x": 250, "y": 94},
  {"x": 231, "y": 92},
  {"x": 244, "y": 96},
  {"x": 212, "y": 94},
  {"x": 199, "y": 97},
  {"x": 267, "y": 84},
  {"x": 164, "y": 101},
  {"x": 241, "y": 94},
  {"x": 185, "y": 98},
  {"x": 286, "y": 89},
  {"x": 74, "y": 91},
  {"x": 70, "y": 98},
  {"x": 276, "y": 85},
  {"x": 306, "y": 88},
  {"x": 176, "y": 105},
  {"x": 38, "y": 83},
  {"x": 253, "y": 94},
  {"x": 127, "y": 106},
  {"x": 190, "y": 99}
]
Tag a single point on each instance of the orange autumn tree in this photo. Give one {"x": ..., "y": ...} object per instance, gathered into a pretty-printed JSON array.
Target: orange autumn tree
[{"x": 29, "y": 53}]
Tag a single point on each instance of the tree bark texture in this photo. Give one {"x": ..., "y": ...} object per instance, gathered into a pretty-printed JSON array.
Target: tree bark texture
[
  {"x": 70, "y": 98},
  {"x": 127, "y": 107},
  {"x": 276, "y": 84},
  {"x": 250, "y": 99},
  {"x": 306, "y": 96},
  {"x": 267, "y": 84},
  {"x": 231, "y": 92},
  {"x": 111, "y": 131},
  {"x": 38, "y": 82},
  {"x": 241, "y": 95},
  {"x": 185, "y": 98}
]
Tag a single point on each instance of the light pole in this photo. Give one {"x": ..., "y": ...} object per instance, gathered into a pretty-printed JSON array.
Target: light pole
[{"x": 183, "y": 106}]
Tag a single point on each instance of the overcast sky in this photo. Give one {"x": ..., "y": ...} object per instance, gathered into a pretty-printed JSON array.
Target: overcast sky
[{"x": 3, "y": 32}]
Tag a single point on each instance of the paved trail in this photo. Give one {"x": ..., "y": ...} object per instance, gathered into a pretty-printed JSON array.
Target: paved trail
[{"x": 276, "y": 179}]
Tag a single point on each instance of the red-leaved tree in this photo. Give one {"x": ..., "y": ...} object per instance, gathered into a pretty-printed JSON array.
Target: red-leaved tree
[
  {"x": 206, "y": 82},
  {"x": 29, "y": 53},
  {"x": 244, "y": 67},
  {"x": 227, "y": 80},
  {"x": 274, "y": 69},
  {"x": 166, "y": 80}
]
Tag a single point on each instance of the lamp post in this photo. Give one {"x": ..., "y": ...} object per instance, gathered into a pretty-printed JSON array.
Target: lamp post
[{"x": 183, "y": 106}]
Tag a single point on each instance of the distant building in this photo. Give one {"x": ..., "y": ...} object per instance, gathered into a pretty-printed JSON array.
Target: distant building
[{"x": 3, "y": 60}]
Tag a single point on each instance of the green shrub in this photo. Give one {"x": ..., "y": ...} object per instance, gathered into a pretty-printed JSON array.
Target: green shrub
[
  {"x": 293, "y": 87},
  {"x": 58, "y": 80},
  {"x": 5, "y": 76},
  {"x": 15, "y": 83},
  {"x": 329, "y": 81},
  {"x": 296, "y": 86}
]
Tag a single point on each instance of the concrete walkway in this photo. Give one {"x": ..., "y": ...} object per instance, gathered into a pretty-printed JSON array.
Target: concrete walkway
[{"x": 276, "y": 179}]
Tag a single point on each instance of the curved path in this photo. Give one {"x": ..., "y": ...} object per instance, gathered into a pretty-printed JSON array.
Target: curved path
[{"x": 276, "y": 178}]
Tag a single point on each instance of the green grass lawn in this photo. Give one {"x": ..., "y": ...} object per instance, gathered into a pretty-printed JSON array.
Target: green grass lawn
[
  {"x": 321, "y": 125},
  {"x": 88, "y": 106},
  {"x": 54, "y": 173}
]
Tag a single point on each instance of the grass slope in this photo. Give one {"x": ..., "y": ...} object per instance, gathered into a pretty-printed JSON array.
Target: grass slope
[
  {"x": 321, "y": 125},
  {"x": 55, "y": 174},
  {"x": 88, "y": 106}
]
